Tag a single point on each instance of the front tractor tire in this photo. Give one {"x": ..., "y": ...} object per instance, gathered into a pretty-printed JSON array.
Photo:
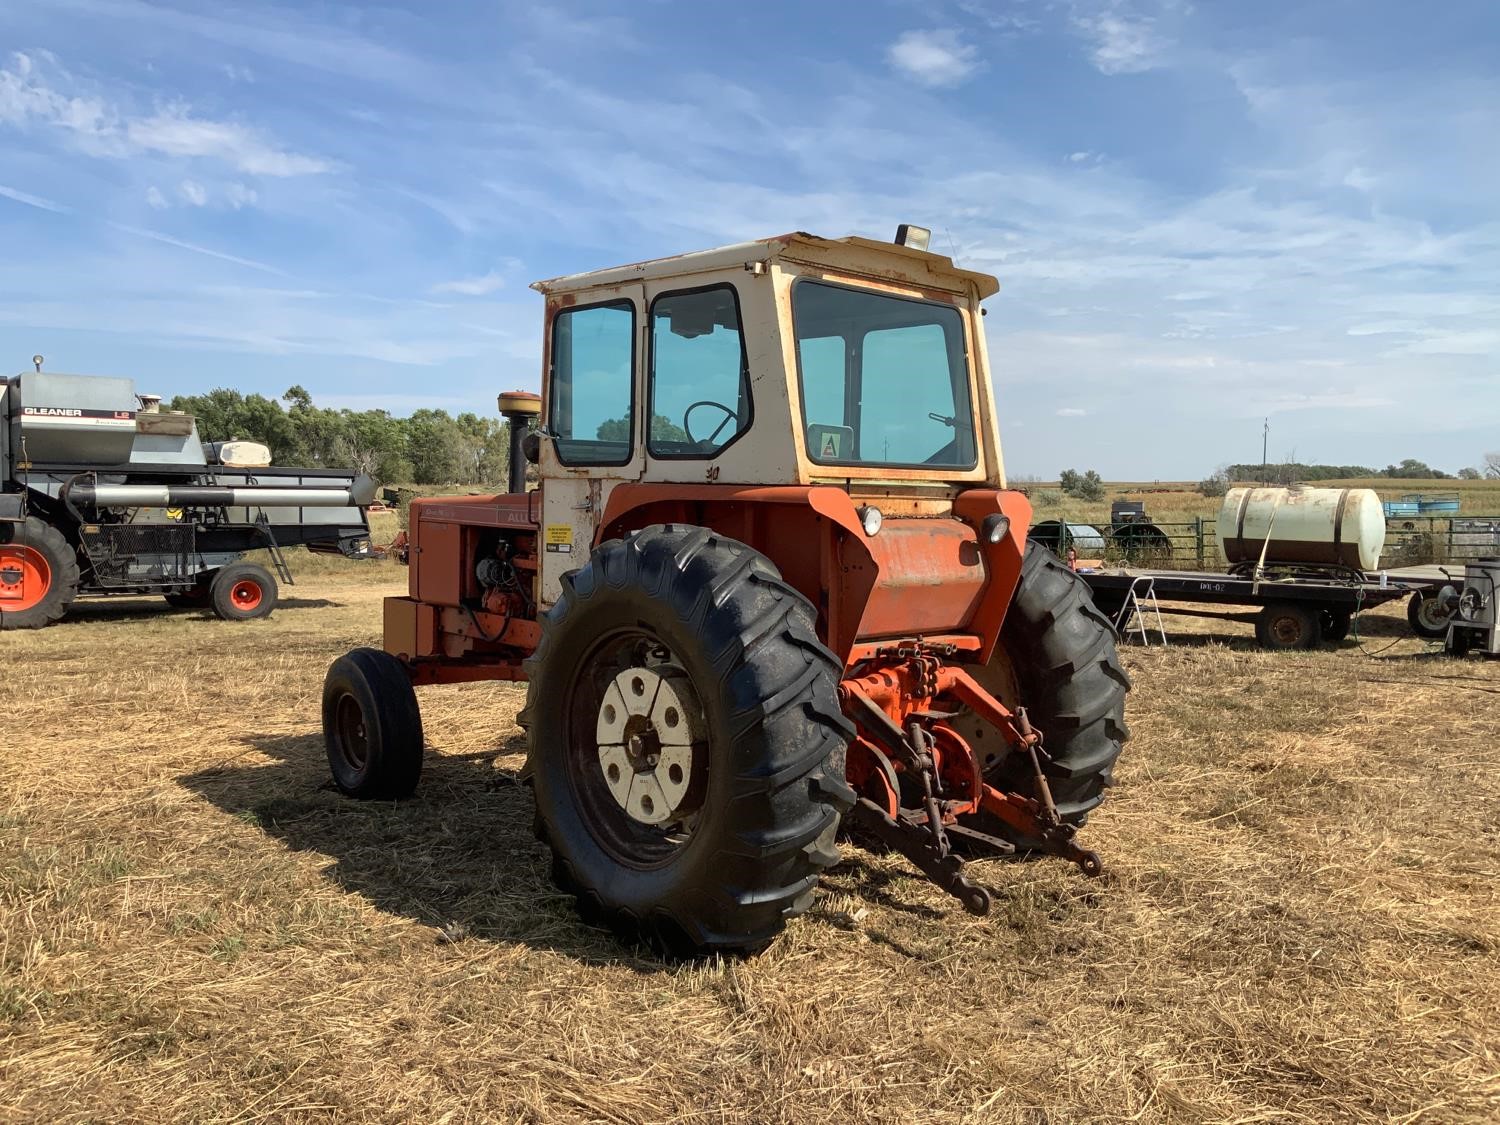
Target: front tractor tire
[
  {"x": 1057, "y": 658},
  {"x": 372, "y": 726},
  {"x": 38, "y": 574},
  {"x": 243, "y": 591},
  {"x": 685, "y": 742}
]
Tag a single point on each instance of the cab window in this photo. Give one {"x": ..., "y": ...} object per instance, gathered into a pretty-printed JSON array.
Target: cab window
[
  {"x": 593, "y": 392},
  {"x": 700, "y": 381}
]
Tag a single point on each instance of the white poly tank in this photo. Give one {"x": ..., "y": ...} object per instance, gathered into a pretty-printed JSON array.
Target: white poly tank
[
  {"x": 244, "y": 455},
  {"x": 1327, "y": 526}
]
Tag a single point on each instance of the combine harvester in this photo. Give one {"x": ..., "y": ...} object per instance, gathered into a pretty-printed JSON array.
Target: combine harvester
[
  {"x": 103, "y": 493},
  {"x": 808, "y": 598}
]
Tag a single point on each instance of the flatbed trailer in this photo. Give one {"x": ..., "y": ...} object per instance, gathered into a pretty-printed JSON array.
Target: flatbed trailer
[{"x": 1294, "y": 610}]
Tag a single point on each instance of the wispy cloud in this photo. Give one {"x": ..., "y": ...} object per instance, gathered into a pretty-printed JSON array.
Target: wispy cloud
[
  {"x": 33, "y": 200},
  {"x": 175, "y": 132},
  {"x": 933, "y": 58},
  {"x": 168, "y": 240},
  {"x": 1121, "y": 39},
  {"x": 101, "y": 128},
  {"x": 471, "y": 286},
  {"x": 193, "y": 192},
  {"x": 1071, "y": 412}
]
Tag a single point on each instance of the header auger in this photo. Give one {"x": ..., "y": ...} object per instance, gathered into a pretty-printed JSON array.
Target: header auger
[{"x": 771, "y": 579}]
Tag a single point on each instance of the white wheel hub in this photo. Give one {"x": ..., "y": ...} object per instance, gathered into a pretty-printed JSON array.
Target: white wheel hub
[{"x": 648, "y": 731}]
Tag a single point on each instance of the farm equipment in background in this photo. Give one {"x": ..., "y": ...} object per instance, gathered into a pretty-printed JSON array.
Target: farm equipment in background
[
  {"x": 771, "y": 579},
  {"x": 102, "y": 492}
]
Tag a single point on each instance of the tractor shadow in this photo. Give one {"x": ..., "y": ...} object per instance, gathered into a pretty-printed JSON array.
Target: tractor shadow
[{"x": 458, "y": 856}]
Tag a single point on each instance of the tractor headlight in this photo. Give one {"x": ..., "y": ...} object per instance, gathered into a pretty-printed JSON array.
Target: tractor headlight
[
  {"x": 995, "y": 528},
  {"x": 870, "y": 519}
]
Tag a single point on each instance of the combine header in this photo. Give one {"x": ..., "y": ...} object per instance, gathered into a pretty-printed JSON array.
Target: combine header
[
  {"x": 771, "y": 580},
  {"x": 101, "y": 492}
]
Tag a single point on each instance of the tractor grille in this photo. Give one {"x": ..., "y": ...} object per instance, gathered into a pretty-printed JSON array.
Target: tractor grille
[{"x": 129, "y": 554}]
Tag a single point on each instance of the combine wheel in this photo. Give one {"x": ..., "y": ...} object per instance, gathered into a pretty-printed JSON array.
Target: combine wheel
[
  {"x": 38, "y": 575},
  {"x": 1057, "y": 658},
  {"x": 242, "y": 591},
  {"x": 685, "y": 742},
  {"x": 1427, "y": 617},
  {"x": 372, "y": 726},
  {"x": 1287, "y": 626}
]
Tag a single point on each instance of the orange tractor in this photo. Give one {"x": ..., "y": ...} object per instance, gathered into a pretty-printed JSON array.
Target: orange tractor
[{"x": 771, "y": 581}]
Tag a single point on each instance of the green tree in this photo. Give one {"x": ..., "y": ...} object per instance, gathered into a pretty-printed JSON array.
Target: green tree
[
  {"x": 1068, "y": 481},
  {"x": 1091, "y": 487},
  {"x": 1469, "y": 474},
  {"x": 435, "y": 447}
]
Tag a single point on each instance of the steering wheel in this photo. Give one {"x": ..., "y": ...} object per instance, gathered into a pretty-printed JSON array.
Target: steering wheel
[{"x": 729, "y": 416}]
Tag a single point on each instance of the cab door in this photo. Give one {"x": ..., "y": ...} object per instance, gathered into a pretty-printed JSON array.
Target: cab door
[{"x": 592, "y": 432}]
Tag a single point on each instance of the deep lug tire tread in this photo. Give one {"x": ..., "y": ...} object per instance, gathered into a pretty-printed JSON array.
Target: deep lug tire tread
[
  {"x": 1072, "y": 684},
  {"x": 769, "y": 688}
]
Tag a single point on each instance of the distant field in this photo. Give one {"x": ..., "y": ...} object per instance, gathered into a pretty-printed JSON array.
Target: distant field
[{"x": 1299, "y": 920}]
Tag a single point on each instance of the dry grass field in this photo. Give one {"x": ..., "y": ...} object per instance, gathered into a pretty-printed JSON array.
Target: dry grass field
[{"x": 1299, "y": 921}]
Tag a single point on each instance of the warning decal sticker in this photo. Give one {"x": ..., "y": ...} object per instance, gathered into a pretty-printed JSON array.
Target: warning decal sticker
[{"x": 558, "y": 538}]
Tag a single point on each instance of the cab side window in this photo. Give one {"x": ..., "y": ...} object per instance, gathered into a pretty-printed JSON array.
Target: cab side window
[
  {"x": 592, "y": 413},
  {"x": 700, "y": 380}
]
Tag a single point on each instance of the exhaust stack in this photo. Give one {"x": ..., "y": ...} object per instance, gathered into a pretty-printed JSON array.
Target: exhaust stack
[{"x": 520, "y": 409}]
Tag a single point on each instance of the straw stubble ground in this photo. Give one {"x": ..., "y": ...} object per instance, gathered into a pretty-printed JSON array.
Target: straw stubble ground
[{"x": 1298, "y": 920}]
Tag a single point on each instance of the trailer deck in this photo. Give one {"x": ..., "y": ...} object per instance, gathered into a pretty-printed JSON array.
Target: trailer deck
[{"x": 1296, "y": 610}]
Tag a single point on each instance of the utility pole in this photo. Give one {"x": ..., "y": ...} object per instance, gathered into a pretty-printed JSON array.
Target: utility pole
[{"x": 1265, "y": 441}]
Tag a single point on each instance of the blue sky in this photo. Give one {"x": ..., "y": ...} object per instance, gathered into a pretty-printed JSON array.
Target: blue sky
[{"x": 1199, "y": 214}]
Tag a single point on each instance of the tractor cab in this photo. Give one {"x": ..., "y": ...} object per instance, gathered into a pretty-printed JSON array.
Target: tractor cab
[{"x": 789, "y": 361}]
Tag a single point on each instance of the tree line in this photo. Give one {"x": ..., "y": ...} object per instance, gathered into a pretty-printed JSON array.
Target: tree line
[
  {"x": 1286, "y": 472},
  {"x": 426, "y": 447}
]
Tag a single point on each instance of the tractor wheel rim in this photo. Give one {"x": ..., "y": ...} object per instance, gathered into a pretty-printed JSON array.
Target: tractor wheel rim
[
  {"x": 641, "y": 812},
  {"x": 649, "y": 724},
  {"x": 25, "y": 577},
  {"x": 246, "y": 594},
  {"x": 349, "y": 723}
]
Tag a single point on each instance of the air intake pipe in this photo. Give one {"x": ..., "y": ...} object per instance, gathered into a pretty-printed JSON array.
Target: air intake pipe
[{"x": 520, "y": 409}]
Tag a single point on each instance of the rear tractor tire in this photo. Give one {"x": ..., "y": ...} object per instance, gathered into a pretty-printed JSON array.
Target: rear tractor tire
[
  {"x": 38, "y": 574},
  {"x": 1057, "y": 658},
  {"x": 372, "y": 726},
  {"x": 242, "y": 591},
  {"x": 685, "y": 742}
]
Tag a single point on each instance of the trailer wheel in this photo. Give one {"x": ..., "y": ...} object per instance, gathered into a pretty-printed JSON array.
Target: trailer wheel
[
  {"x": 1426, "y": 616},
  {"x": 242, "y": 591},
  {"x": 1336, "y": 623},
  {"x": 38, "y": 575},
  {"x": 1286, "y": 626},
  {"x": 685, "y": 742},
  {"x": 372, "y": 726},
  {"x": 1057, "y": 658}
]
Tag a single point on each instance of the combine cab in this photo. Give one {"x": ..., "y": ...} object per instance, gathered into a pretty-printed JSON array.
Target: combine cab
[
  {"x": 102, "y": 492},
  {"x": 771, "y": 580}
]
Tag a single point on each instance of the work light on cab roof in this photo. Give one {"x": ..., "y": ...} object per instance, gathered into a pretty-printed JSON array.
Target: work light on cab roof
[{"x": 770, "y": 577}]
